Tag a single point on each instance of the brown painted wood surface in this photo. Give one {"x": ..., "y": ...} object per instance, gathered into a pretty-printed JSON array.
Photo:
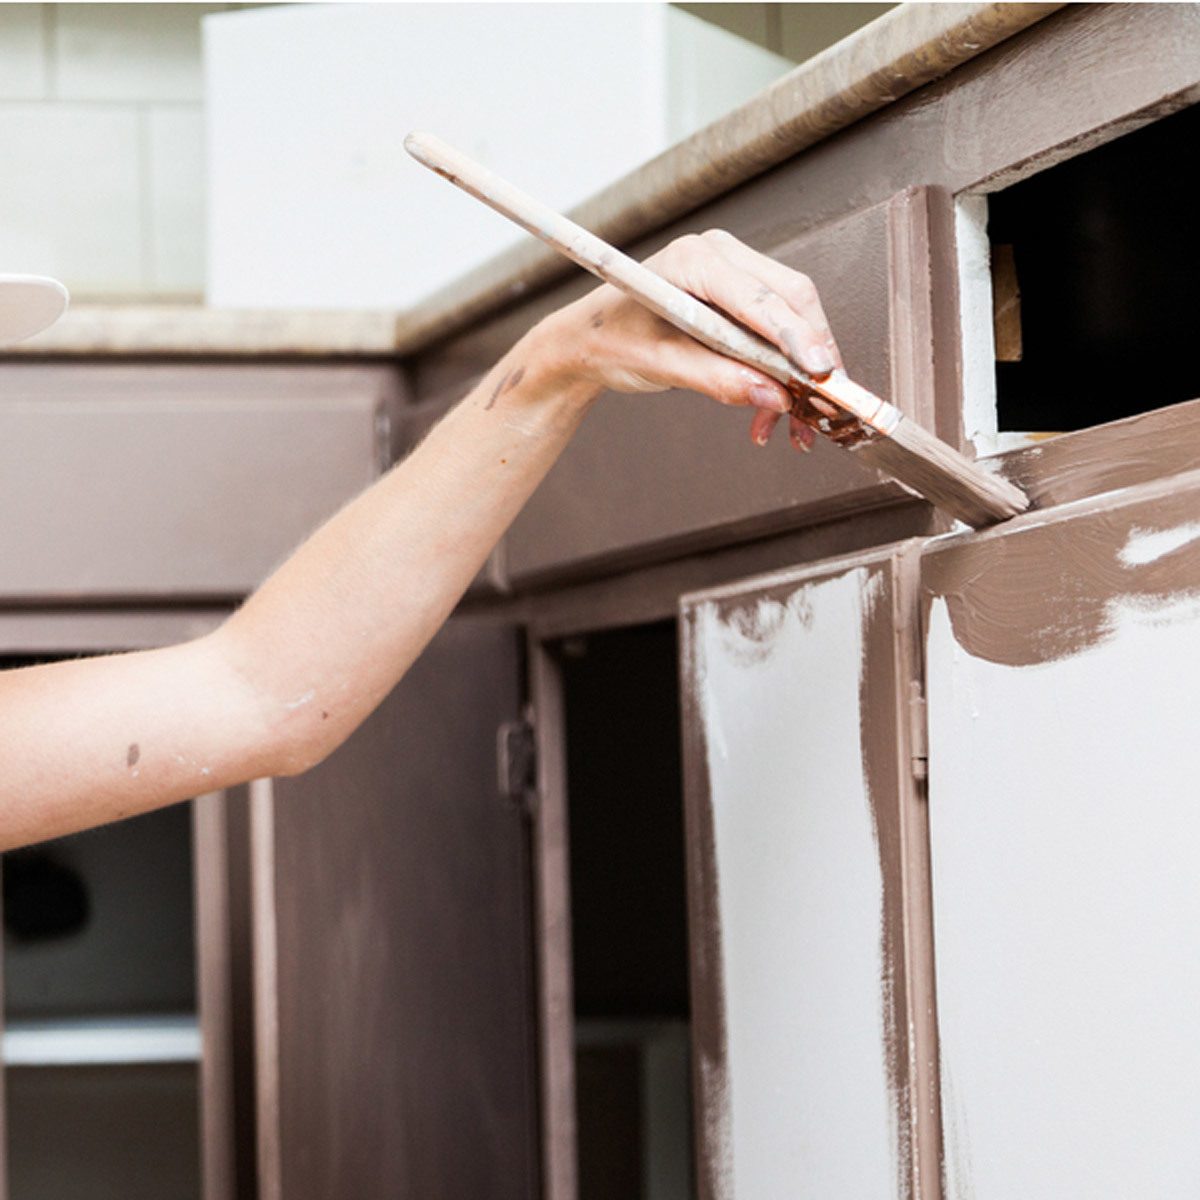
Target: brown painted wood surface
[
  {"x": 153, "y": 480},
  {"x": 220, "y": 823},
  {"x": 218, "y": 1161},
  {"x": 552, "y": 931},
  {"x": 404, "y": 982},
  {"x": 689, "y": 475}
]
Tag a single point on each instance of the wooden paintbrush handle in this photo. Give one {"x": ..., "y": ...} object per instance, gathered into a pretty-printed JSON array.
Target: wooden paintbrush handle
[{"x": 673, "y": 304}]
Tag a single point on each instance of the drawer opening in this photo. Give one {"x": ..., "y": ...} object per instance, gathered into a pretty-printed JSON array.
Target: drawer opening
[
  {"x": 1092, "y": 270},
  {"x": 628, "y": 914}
]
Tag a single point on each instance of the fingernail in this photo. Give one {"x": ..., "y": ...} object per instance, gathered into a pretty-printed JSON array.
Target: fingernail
[
  {"x": 762, "y": 396},
  {"x": 818, "y": 360},
  {"x": 800, "y": 444},
  {"x": 762, "y": 437}
]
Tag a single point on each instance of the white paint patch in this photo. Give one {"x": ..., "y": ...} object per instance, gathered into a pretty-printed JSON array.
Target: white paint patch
[
  {"x": 1065, "y": 835},
  {"x": 980, "y": 422},
  {"x": 300, "y": 701},
  {"x": 800, "y": 895},
  {"x": 1148, "y": 545}
]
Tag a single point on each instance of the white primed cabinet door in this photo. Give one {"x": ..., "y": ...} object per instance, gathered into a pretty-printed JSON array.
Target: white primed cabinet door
[
  {"x": 1063, "y": 691},
  {"x": 794, "y": 805}
]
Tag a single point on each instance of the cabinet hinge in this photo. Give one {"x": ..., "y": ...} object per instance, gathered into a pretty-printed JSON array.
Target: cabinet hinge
[
  {"x": 516, "y": 764},
  {"x": 918, "y": 730}
]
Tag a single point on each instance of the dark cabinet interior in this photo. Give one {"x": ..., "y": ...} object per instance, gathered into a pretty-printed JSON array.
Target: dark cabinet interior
[
  {"x": 628, "y": 914},
  {"x": 101, "y": 1043},
  {"x": 1098, "y": 260}
]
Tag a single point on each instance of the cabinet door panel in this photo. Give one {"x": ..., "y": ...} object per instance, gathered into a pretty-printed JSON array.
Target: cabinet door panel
[
  {"x": 174, "y": 481},
  {"x": 1062, "y": 694},
  {"x": 671, "y": 471},
  {"x": 805, "y": 877},
  {"x": 403, "y": 973}
]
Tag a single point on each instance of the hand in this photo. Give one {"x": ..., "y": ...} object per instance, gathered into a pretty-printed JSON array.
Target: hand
[{"x": 620, "y": 345}]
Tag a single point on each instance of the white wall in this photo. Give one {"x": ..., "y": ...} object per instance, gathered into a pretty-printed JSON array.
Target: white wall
[
  {"x": 101, "y": 132},
  {"x": 101, "y": 136},
  {"x": 313, "y": 202}
]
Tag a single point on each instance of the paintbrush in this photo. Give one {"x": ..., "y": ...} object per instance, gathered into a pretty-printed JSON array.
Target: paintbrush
[{"x": 875, "y": 431}]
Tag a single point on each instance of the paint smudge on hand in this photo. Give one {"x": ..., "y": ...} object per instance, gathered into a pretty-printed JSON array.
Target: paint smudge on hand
[{"x": 133, "y": 754}]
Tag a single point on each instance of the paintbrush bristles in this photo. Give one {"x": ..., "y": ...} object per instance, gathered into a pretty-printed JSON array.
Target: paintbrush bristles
[{"x": 939, "y": 473}]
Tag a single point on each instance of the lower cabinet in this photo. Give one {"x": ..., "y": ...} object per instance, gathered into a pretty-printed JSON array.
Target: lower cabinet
[
  {"x": 121, "y": 1064},
  {"x": 811, "y": 979},
  {"x": 1063, "y": 695},
  {"x": 871, "y": 877},
  {"x": 393, "y": 960}
]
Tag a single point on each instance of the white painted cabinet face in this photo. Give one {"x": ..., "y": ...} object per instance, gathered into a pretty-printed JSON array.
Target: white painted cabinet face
[
  {"x": 1063, "y": 681},
  {"x": 798, "y": 987}
]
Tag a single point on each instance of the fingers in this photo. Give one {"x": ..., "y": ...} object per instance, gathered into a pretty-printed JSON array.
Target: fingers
[
  {"x": 763, "y": 423},
  {"x": 796, "y": 288},
  {"x": 802, "y": 436},
  {"x": 679, "y": 361},
  {"x": 776, "y": 302}
]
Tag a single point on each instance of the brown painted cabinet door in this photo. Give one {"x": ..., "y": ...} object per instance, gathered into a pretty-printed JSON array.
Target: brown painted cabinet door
[
  {"x": 162, "y": 481},
  {"x": 397, "y": 1054},
  {"x": 810, "y": 977},
  {"x": 1063, "y": 691}
]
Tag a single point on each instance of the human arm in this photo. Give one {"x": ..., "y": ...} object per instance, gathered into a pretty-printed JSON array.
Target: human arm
[{"x": 298, "y": 667}]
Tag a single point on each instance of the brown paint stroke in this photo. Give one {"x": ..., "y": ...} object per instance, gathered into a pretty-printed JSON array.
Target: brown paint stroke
[
  {"x": 710, "y": 1070},
  {"x": 133, "y": 754},
  {"x": 1121, "y": 454},
  {"x": 1046, "y": 592},
  {"x": 878, "y": 732}
]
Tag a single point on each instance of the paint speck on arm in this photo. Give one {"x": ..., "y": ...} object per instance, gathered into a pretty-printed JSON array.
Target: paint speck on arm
[
  {"x": 496, "y": 393},
  {"x": 598, "y": 318},
  {"x": 132, "y": 754},
  {"x": 324, "y": 715},
  {"x": 300, "y": 701},
  {"x": 514, "y": 379}
]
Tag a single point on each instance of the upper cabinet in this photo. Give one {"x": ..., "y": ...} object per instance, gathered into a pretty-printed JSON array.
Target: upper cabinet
[
  {"x": 652, "y": 475},
  {"x": 159, "y": 480}
]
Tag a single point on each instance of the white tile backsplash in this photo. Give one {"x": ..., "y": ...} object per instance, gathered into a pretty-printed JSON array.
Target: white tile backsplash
[
  {"x": 101, "y": 127},
  {"x": 71, "y": 204},
  {"x": 175, "y": 149},
  {"x": 134, "y": 52},
  {"x": 24, "y": 73}
]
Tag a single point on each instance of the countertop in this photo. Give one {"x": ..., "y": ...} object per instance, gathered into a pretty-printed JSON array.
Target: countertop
[{"x": 904, "y": 49}]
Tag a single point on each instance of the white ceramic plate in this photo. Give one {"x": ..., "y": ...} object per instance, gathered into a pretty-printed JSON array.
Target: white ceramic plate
[{"x": 29, "y": 304}]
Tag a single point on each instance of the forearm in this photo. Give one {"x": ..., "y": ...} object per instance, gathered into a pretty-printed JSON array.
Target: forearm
[
  {"x": 333, "y": 629},
  {"x": 292, "y": 673}
]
